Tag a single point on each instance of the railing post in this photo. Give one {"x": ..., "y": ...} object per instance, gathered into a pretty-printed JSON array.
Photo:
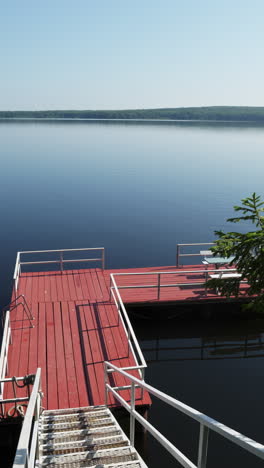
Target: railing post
[
  {"x": 110, "y": 288},
  {"x": 15, "y": 286},
  {"x": 19, "y": 265},
  {"x": 103, "y": 259},
  {"x": 37, "y": 414},
  {"x": 142, "y": 373},
  {"x": 118, "y": 314},
  {"x": 105, "y": 382},
  {"x": 61, "y": 261},
  {"x": 177, "y": 255},
  {"x": 128, "y": 340},
  {"x": 158, "y": 286},
  {"x": 9, "y": 325},
  {"x": 17, "y": 272},
  {"x": 203, "y": 445},
  {"x": 132, "y": 417}
]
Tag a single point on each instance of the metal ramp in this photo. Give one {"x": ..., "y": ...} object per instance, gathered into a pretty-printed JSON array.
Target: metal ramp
[{"x": 84, "y": 437}]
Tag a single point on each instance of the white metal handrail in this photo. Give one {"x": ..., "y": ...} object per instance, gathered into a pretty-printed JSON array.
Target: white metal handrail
[
  {"x": 206, "y": 423},
  {"x": 17, "y": 272},
  {"x": 61, "y": 261},
  {"x": 27, "y": 448},
  {"x": 179, "y": 254},
  {"x": 204, "y": 274},
  {"x": 4, "y": 351},
  {"x": 132, "y": 340}
]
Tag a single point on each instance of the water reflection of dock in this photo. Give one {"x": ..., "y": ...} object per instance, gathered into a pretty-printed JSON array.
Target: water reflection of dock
[{"x": 189, "y": 348}]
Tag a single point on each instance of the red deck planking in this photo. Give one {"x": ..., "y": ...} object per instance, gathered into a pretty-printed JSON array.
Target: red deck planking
[
  {"x": 187, "y": 274},
  {"x": 76, "y": 329}
]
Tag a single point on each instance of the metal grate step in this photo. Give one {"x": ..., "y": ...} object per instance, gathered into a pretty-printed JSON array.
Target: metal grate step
[
  {"x": 83, "y": 409},
  {"x": 61, "y": 437},
  {"x": 84, "y": 459},
  {"x": 93, "y": 444},
  {"x": 91, "y": 415},
  {"x": 123, "y": 464},
  {"x": 84, "y": 424}
]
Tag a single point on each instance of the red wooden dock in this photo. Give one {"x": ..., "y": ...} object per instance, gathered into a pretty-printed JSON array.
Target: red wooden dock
[
  {"x": 77, "y": 328},
  {"x": 177, "y": 285}
]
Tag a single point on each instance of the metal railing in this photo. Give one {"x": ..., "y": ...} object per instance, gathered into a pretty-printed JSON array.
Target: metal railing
[
  {"x": 60, "y": 261},
  {"x": 20, "y": 300},
  {"x": 131, "y": 337},
  {"x": 207, "y": 424},
  {"x": 4, "y": 350},
  {"x": 196, "y": 254},
  {"x": 17, "y": 272},
  {"x": 27, "y": 448},
  {"x": 202, "y": 277},
  {"x": 7, "y": 336}
]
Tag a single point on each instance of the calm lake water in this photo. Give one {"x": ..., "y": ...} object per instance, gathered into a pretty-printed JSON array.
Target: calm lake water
[{"x": 138, "y": 189}]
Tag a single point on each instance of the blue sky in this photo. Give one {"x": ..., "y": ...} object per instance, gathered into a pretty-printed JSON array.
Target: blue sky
[{"x": 116, "y": 54}]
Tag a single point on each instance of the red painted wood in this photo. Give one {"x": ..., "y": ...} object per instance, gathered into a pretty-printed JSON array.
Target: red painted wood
[
  {"x": 90, "y": 286},
  {"x": 59, "y": 287},
  {"x": 70, "y": 341},
  {"x": 16, "y": 316},
  {"x": 33, "y": 346},
  {"x": 41, "y": 287},
  {"x": 78, "y": 286},
  {"x": 76, "y": 328},
  {"x": 114, "y": 346},
  {"x": 97, "y": 289},
  {"x": 97, "y": 355},
  {"x": 28, "y": 288},
  {"x": 65, "y": 286},
  {"x": 69, "y": 358},
  {"x": 78, "y": 355},
  {"x": 83, "y": 283},
  {"x": 63, "y": 395},
  {"x": 72, "y": 288},
  {"x": 52, "y": 383},
  {"x": 42, "y": 361},
  {"x": 104, "y": 288},
  {"x": 47, "y": 289},
  {"x": 172, "y": 294},
  {"x": 53, "y": 288},
  {"x": 93, "y": 391}
]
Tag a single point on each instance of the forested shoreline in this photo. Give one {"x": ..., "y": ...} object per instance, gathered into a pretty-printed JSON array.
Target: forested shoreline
[{"x": 213, "y": 113}]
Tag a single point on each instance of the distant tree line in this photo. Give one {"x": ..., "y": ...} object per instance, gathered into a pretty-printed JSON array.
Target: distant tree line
[{"x": 221, "y": 113}]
